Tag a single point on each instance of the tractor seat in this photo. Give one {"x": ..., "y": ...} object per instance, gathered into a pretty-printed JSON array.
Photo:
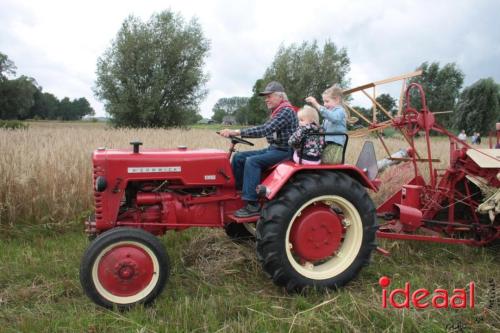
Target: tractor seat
[{"x": 367, "y": 160}]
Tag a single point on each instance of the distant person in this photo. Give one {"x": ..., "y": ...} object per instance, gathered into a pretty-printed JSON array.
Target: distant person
[
  {"x": 248, "y": 165},
  {"x": 478, "y": 138},
  {"x": 335, "y": 120},
  {"x": 462, "y": 136},
  {"x": 473, "y": 138},
  {"x": 312, "y": 147},
  {"x": 497, "y": 146}
]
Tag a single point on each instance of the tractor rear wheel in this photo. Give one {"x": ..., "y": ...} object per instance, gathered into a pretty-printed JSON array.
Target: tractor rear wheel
[
  {"x": 123, "y": 267},
  {"x": 319, "y": 232}
]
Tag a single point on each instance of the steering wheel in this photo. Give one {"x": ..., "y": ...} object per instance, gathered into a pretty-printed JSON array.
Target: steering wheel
[{"x": 235, "y": 139}]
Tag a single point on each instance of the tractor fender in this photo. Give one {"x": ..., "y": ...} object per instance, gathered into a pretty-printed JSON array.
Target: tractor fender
[{"x": 280, "y": 175}]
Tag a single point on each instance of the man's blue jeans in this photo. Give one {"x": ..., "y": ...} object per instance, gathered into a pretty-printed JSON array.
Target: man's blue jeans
[{"x": 248, "y": 166}]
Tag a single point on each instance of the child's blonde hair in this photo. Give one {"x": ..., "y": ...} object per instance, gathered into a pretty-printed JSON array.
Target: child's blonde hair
[
  {"x": 333, "y": 91},
  {"x": 336, "y": 91},
  {"x": 310, "y": 113}
]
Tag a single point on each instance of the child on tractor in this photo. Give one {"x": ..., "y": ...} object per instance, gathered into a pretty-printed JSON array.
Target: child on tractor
[
  {"x": 307, "y": 148},
  {"x": 335, "y": 120}
]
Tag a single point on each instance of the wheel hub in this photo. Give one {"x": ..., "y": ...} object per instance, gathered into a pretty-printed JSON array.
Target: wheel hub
[
  {"x": 316, "y": 233},
  {"x": 125, "y": 270}
]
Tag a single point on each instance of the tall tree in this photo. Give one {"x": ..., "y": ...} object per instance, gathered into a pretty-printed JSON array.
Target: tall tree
[
  {"x": 441, "y": 87},
  {"x": 304, "y": 70},
  {"x": 152, "y": 75},
  {"x": 478, "y": 107},
  {"x": 65, "y": 109},
  {"x": 17, "y": 98},
  {"x": 307, "y": 69},
  {"x": 257, "y": 111},
  {"x": 388, "y": 103},
  {"x": 230, "y": 106},
  {"x": 45, "y": 105},
  {"x": 38, "y": 110},
  {"x": 81, "y": 108},
  {"x": 7, "y": 67}
]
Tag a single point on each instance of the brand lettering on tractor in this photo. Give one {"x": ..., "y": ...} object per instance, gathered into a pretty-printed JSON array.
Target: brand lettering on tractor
[
  {"x": 155, "y": 169},
  {"x": 422, "y": 298}
]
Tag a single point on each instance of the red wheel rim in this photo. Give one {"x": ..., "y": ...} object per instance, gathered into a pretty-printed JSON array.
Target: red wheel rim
[
  {"x": 125, "y": 270},
  {"x": 351, "y": 238},
  {"x": 317, "y": 233}
]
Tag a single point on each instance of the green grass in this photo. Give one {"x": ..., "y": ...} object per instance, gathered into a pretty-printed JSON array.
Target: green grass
[
  {"x": 218, "y": 286},
  {"x": 13, "y": 124}
]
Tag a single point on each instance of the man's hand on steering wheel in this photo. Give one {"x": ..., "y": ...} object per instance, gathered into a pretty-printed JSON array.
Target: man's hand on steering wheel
[
  {"x": 229, "y": 132},
  {"x": 232, "y": 135}
]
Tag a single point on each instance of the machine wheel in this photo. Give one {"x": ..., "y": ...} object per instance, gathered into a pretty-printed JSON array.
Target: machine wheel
[
  {"x": 319, "y": 232},
  {"x": 240, "y": 231},
  {"x": 123, "y": 267}
]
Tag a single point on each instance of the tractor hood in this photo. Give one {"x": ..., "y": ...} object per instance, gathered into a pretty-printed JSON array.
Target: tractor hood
[
  {"x": 178, "y": 154},
  {"x": 189, "y": 167}
]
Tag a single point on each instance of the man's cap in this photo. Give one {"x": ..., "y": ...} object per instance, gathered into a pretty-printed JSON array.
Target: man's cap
[{"x": 271, "y": 87}]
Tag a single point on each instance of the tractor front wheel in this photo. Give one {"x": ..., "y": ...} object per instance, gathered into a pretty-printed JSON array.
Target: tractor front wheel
[
  {"x": 319, "y": 232},
  {"x": 123, "y": 267}
]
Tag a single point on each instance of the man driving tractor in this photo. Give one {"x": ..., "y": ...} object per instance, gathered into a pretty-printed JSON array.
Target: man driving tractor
[{"x": 248, "y": 166}]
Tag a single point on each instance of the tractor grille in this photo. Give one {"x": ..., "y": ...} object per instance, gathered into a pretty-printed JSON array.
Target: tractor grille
[{"x": 98, "y": 171}]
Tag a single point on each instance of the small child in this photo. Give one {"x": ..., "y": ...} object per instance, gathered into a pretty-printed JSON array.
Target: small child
[
  {"x": 335, "y": 120},
  {"x": 313, "y": 144}
]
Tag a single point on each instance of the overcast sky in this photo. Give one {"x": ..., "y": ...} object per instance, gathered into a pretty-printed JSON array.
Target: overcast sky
[{"x": 58, "y": 42}]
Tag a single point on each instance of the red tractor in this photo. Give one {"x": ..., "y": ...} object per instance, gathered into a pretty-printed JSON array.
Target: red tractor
[{"x": 317, "y": 225}]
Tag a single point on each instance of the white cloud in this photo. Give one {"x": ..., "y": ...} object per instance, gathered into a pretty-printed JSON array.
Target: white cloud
[{"x": 58, "y": 42}]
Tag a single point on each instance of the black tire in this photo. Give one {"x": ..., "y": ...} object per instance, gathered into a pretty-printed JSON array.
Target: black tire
[
  {"x": 240, "y": 231},
  {"x": 334, "y": 193},
  {"x": 136, "y": 273}
]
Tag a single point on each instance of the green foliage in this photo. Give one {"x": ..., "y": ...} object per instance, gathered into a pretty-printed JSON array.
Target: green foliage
[
  {"x": 368, "y": 113},
  {"x": 233, "y": 107},
  {"x": 13, "y": 124},
  {"x": 441, "y": 87},
  {"x": 22, "y": 98},
  {"x": 152, "y": 74},
  {"x": 216, "y": 285},
  {"x": 17, "y": 98},
  {"x": 304, "y": 70},
  {"x": 45, "y": 105},
  {"x": 73, "y": 110},
  {"x": 194, "y": 118},
  {"x": 257, "y": 111},
  {"x": 478, "y": 107},
  {"x": 7, "y": 67},
  {"x": 388, "y": 103}
]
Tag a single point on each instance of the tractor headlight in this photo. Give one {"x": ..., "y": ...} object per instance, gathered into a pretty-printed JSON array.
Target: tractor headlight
[{"x": 100, "y": 184}]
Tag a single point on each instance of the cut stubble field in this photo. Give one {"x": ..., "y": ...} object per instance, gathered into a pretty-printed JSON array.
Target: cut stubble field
[{"x": 215, "y": 284}]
